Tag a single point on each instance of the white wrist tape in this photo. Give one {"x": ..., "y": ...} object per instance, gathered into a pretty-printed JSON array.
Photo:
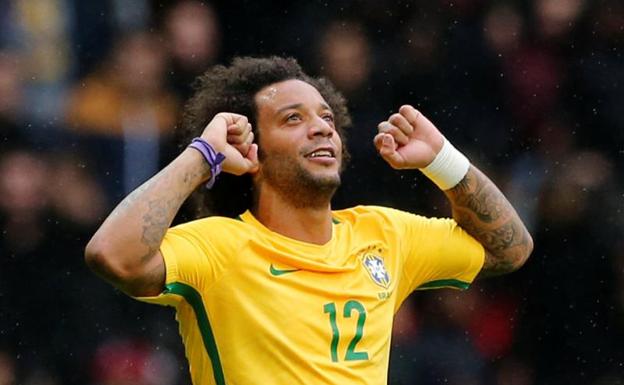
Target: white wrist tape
[{"x": 448, "y": 168}]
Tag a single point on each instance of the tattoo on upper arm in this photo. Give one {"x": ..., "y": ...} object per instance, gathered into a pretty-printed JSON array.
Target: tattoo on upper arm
[{"x": 481, "y": 209}]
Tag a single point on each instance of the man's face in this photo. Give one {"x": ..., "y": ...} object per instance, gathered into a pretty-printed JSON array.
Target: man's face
[{"x": 299, "y": 145}]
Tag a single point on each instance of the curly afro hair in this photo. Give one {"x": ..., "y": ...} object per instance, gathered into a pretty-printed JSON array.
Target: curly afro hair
[{"x": 233, "y": 89}]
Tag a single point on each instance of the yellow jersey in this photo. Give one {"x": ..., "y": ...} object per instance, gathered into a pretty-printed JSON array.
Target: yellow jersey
[{"x": 256, "y": 307}]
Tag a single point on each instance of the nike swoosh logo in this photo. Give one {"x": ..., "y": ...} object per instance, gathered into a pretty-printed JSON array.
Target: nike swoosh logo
[{"x": 277, "y": 272}]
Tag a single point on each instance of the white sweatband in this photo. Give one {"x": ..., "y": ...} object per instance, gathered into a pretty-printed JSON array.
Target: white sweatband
[{"x": 448, "y": 168}]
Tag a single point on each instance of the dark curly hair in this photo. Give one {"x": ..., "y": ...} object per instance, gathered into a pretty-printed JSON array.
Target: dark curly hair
[{"x": 232, "y": 89}]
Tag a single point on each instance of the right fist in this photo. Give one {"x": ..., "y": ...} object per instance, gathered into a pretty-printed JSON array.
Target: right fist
[{"x": 231, "y": 135}]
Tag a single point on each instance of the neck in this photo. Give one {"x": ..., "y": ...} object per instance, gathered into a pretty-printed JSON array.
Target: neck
[{"x": 312, "y": 223}]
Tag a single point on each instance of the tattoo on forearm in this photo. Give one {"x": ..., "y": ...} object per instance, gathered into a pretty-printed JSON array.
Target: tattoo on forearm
[
  {"x": 156, "y": 220},
  {"x": 159, "y": 215},
  {"x": 483, "y": 211},
  {"x": 161, "y": 208},
  {"x": 124, "y": 246}
]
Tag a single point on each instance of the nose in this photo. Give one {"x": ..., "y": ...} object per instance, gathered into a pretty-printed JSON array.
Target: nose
[{"x": 321, "y": 127}]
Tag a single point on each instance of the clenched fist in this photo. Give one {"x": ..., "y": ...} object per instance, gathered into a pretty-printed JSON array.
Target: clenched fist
[
  {"x": 231, "y": 135},
  {"x": 408, "y": 140}
]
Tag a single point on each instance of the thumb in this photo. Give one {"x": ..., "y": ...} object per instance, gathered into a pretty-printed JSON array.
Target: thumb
[
  {"x": 252, "y": 158},
  {"x": 387, "y": 149}
]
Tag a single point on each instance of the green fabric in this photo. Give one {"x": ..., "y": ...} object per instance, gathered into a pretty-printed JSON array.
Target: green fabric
[
  {"x": 194, "y": 299},
  {"x": 440, "y": 283}
]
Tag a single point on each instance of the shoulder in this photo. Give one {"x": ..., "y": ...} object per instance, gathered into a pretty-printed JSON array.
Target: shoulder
[
  {"x": 213, "y": 227},
  {"x": 386, "y": 218},
  {"x": 376, "y": 213}
]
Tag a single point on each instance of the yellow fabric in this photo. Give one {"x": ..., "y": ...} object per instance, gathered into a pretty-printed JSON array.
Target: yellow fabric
[{"x": 272, "y": 325}]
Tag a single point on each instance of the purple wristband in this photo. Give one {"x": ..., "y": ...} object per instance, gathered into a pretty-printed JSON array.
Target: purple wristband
[{"x": 213, "y": 158}]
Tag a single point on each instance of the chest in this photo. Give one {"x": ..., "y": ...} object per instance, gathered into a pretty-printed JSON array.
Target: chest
[{"x": 335, "y": 313}]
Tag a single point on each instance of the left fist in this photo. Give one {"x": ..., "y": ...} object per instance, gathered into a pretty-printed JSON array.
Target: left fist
[{"x": 408, "y": 139}]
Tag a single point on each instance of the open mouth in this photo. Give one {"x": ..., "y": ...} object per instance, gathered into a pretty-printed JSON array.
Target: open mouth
[{"x": 322, "y": 153}]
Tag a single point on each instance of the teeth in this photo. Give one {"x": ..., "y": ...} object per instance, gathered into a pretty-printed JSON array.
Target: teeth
[{"x": 316, "y": 154}]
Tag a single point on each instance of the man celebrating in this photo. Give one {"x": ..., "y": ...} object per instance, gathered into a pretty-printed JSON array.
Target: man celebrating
[{"x": 289, "y": 291}]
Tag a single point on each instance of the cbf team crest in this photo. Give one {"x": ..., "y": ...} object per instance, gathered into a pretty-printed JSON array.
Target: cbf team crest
[{"x": 374, "y": 264}]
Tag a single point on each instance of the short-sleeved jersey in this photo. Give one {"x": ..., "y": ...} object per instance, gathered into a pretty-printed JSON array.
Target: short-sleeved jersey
[{"x": 256, "y": 307}]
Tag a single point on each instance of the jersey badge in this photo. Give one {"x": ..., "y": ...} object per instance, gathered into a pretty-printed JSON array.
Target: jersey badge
[{"x": 374, "y": 264}]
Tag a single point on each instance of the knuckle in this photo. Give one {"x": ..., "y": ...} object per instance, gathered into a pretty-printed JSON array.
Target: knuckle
[
  {"x": 394, "y": 131},
  {"x": 395, "y": 117}
]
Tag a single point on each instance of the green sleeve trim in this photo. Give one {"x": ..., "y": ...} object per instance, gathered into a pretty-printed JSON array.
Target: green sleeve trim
[
  {"x": 335, "y": 221},
  {"x": 440, "y": 283},
  {"x": 194, "y": 299}
]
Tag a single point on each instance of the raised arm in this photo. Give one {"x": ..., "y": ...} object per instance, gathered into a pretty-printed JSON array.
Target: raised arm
[
  {"x": 481, "y": 209},
  {"x": 125, "y": 249},
  {"x": 409, "y": 140}
]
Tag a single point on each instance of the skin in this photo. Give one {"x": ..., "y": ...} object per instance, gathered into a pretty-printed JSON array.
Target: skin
[
  {"x": 125, "y": 249},
  {"x": 294, "y": 188},
  {"x": 409, "y": 140}
]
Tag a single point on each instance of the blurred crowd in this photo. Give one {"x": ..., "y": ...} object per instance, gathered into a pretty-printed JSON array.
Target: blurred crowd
[{"x": 532, "y": 91}]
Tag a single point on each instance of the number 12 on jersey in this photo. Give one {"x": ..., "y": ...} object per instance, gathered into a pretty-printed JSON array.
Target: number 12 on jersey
[{"x": 349, "y": 307}]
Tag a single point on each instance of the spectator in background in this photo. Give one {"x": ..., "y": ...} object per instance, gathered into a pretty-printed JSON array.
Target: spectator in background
[
  {"x": 535, "y": 73},
  {"x": 44, "y": 298},
  {"x": 570, "y": 316},
  {"x": 74, "y": 193},
  {"x": 345, "y": 57},
  {"x": 531, "y": 170},
  {"x": 23, "y": 239},
  {"x": 503, "y": 33},
  {"x": 503, "y": 29},
  {"x": 193, "y": 37},
  {"x": 40, "y": 32},
  {"x": 24, "y": 200},
  {"x": 555, "y": 20},
  {"x": 124, "y": 112}
]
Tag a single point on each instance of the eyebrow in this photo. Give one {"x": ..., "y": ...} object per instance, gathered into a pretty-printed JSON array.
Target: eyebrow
[{"x": 299, "y": 105}]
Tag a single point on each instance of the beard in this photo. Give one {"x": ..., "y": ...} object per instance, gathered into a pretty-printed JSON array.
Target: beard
[{"x": 297, "y": 185}]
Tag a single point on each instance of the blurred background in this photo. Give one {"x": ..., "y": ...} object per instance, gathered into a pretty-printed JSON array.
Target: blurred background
[{"x": 532, "y": 91}]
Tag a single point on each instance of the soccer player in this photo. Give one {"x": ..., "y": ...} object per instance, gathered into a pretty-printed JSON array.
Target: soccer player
[{"x": 289, "y": 291}]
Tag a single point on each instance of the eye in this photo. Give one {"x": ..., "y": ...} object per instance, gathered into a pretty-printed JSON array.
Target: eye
[
  {"x": 328, "y": 117},
  {"x": 294, "y": 117}
]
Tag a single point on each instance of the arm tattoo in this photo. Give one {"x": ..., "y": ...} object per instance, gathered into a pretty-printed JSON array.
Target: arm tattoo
[
  {"x": 156, "y": 222},
  {"x": 124, "y": 250},
  {"x": 160, "y": 213},
  {"x": 483, "y": 211},
  {"x": 151, "y": 207}
]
